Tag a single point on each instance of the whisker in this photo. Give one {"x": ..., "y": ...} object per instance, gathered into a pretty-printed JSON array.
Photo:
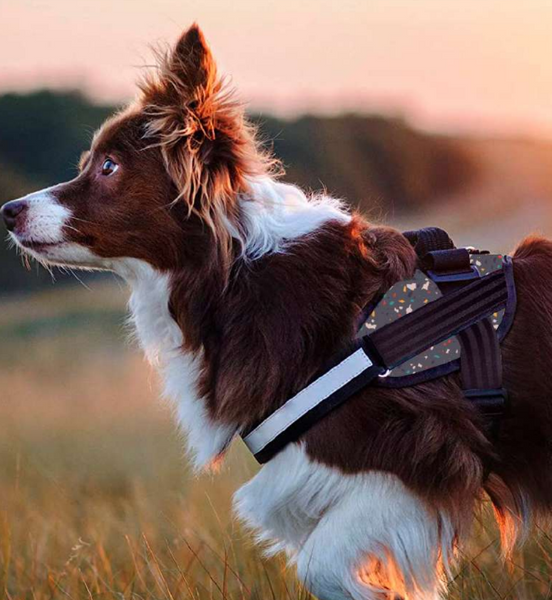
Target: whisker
[
  {"x": 81, "y": 220},
  {"x": 72, "y": 272},
  {"x": 73, "y": 228}
]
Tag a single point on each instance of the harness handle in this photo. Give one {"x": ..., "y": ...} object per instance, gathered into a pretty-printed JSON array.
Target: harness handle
[{"x": 428, "y": 240}]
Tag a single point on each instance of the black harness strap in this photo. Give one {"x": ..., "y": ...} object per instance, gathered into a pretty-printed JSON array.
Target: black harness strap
[{"x": 481, "y": 370}]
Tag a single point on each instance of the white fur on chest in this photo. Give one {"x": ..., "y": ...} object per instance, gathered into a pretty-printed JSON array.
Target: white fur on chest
[{"x": 161, "y": 339}]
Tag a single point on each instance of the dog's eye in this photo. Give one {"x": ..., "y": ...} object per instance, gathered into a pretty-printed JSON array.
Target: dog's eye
[{"x": 109, "y": 167}]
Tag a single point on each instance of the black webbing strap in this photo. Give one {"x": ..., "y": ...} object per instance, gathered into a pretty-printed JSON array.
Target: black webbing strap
[
  {"x": 448, "y": 262},
  {"x": 481, "y": 370},
  {"x": 435, "y": 322}
]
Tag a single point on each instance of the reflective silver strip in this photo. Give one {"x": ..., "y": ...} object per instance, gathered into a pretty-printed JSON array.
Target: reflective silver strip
[{"x": 307, "y": 399}]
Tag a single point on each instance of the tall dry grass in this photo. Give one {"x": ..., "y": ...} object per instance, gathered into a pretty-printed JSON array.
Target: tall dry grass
[{"x": 96, "y": 497}]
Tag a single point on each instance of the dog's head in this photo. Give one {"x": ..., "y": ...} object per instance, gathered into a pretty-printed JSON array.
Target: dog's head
[{"x": 160, "y": 180}]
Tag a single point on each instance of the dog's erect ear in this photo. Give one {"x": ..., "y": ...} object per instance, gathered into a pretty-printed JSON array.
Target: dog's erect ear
[
  {"x": 186, "y": 83},
  {"x": 192, "y": 62},
  {"x": 208, "y": 147}
]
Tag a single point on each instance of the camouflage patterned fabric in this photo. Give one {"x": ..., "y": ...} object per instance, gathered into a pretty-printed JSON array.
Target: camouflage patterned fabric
[{"x": 408, "y": 295}]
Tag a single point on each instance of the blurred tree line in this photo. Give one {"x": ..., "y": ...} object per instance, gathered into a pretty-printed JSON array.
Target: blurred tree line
[{"x": 373, "y": 162}]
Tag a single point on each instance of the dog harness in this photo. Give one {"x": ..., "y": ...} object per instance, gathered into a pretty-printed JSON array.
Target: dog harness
[{"x": 452, "y": 315}]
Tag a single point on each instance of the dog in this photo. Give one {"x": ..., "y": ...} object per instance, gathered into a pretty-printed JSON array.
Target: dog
[{"x": 242, "y": 287}]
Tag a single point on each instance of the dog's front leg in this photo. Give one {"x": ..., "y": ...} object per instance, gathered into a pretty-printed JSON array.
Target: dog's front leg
[
  {"x": 379, "y": 542},
  {"x": 361, "y": 537}
]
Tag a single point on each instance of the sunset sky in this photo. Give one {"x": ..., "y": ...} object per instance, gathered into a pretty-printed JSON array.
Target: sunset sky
[{"x": 469, "y": 65}]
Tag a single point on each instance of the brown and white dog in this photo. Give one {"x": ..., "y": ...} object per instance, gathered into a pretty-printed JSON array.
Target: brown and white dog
[{"x": 242, "y": 287}]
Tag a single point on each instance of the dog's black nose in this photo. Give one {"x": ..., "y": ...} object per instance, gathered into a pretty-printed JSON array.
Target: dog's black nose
[{"x": 10, "y": 212}]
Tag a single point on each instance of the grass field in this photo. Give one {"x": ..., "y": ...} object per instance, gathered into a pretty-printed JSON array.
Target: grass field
[{"x": 96, "y": 497}]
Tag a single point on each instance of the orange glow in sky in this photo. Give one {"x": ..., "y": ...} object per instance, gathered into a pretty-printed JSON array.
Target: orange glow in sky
[{"x": 471, "y": 65}]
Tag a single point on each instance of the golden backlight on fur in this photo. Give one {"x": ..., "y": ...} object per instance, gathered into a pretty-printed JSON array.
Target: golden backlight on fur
[{"x": 386, "y": 577}]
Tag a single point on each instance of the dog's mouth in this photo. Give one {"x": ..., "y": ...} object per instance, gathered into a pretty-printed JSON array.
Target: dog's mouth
[
  {"x": 34, "y": 245},
  {"x": 60, "y": 253},
  {"x": 39, "y": 249},
  {"x": 38, "y": 246}
]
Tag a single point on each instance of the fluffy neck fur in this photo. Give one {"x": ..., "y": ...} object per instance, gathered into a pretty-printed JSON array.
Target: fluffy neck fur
[{"x": 229, "y": 354}]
